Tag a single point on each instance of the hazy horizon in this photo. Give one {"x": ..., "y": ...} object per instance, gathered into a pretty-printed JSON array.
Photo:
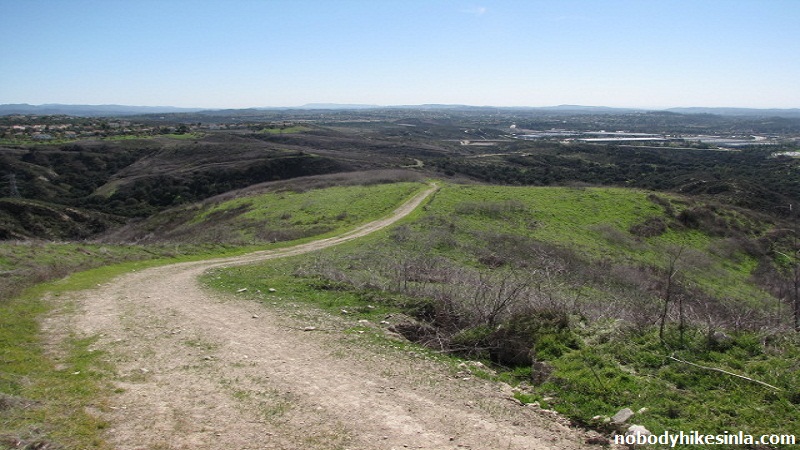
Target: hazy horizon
[
  {"x": 254, "y": 54},
  {"x": 323, "y": 105}
]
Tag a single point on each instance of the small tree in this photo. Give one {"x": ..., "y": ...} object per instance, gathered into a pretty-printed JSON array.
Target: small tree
[
  {"x": 793, "y": 260},
  {"x": 496, "y": 296},
  {"x": 669, "y": 293}
]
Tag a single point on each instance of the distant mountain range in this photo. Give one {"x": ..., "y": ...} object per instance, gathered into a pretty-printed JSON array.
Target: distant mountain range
[
  {"x": 793, "y": 112},
  {"x": 123, "y": 110},
  {"x": 333, "y": 106},
  {"x": 89, "y": 110}
]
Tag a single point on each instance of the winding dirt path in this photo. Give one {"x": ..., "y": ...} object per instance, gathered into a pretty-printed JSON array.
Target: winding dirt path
[{"x": 195, "y": 369}]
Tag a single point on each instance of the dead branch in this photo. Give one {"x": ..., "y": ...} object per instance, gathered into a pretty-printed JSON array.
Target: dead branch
[{"x": 726, "y": 373}]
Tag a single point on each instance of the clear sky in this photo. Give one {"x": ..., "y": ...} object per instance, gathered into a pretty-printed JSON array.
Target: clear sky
[{"x": 253, "y": 53}]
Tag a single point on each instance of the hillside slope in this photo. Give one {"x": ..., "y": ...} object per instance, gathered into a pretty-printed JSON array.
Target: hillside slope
[
  {"x": 593, "y": 299},
  {"x": 22, "y": 219},
  {"x": 233, "y": 372},
  {"x": 138, "y": 176},
  {"x": 276, "y": 211}
]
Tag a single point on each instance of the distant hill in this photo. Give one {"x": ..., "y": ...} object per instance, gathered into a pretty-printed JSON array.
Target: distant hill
[
  {"x": 89, "y": 110},
  {"x": 572, "y": 109},
  {"x": 336, "y": 106},
  {"x": 124, "y": 110},
  {"x": 581, "y": 109},
  {"x": 793, "y": 113}
]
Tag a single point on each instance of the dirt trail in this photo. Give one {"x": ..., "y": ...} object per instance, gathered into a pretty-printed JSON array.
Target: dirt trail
[{"x": 195, "y": 369}]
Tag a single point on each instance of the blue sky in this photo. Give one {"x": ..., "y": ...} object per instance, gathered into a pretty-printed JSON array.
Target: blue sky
[{"x": 252, "y": 53}]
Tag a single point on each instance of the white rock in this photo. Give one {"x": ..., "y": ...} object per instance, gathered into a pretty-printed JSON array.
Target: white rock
[
  {"x": 638, "y": 430},
  {"x": 622, "y": 415}
]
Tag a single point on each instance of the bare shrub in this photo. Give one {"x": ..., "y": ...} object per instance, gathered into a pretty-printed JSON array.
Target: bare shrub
[
  {"x": 278, "y": 235},
  {"x": 614, "y": 235},
  {"x": 419, "y": 332},
  {"x": 495, "y": 249},
  {"x": 495, "y": 296},
  {"x": 480, "y": 313},
  {"x": 717, "y": 220},
  {"x": 531, "y": 335},
  {"x": 638, "y": 311},
  {"x": 439, "y": 238},
  {"x": 402, "y": 233},
  {"x": 493, "y": 210},
  {"x": 650, "y": 227},
  {"x": 733, "y": 248},
  {"x": 695, "y": 260},
  {"x": 728, "y": 248},
  {"x": 303, "y": 184},
  {"x": 669, "y": 210},
  {"x": 492, "y": 260},
  {"x": 633, "y": 277}
]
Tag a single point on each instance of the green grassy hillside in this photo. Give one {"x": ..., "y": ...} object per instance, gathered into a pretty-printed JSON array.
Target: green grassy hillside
[
  {"x": 42, "y": 406},
  {"x": 614, "y": 228},
  {"x": 280, "y": 211},
  {"x": 590, "y": 299}
]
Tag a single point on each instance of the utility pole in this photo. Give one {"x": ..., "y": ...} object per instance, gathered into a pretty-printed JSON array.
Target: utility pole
[{"x": 12, "y": 186}]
